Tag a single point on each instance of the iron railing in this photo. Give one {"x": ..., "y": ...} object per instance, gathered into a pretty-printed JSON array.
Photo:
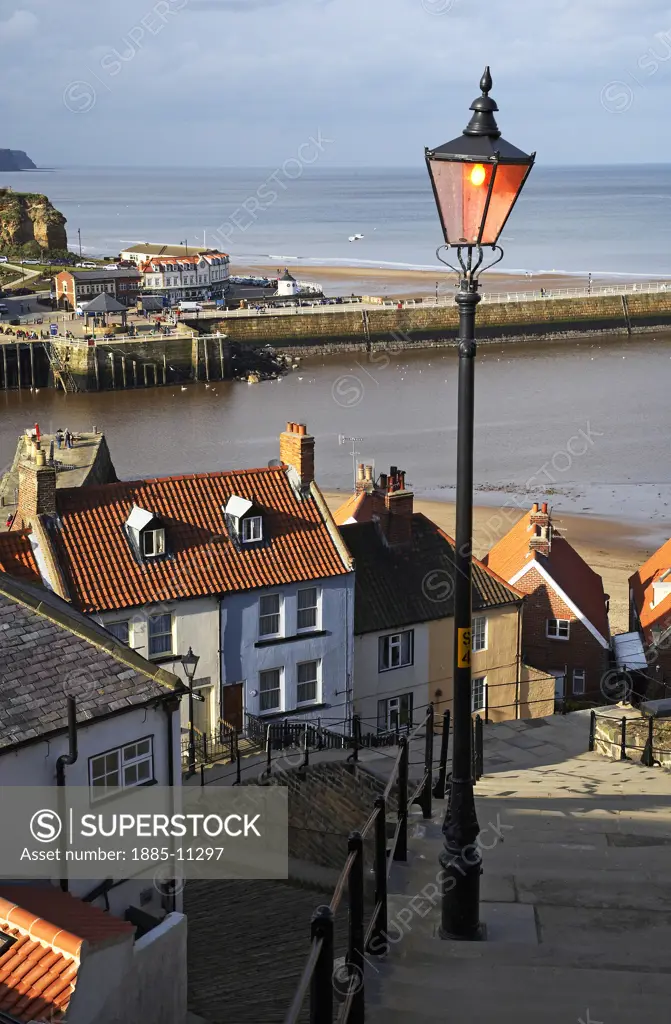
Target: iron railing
[
  {"x": 316, "y": 983},
  {"x": 210, "y": 747},
  {"x": 647, "y": 751}
]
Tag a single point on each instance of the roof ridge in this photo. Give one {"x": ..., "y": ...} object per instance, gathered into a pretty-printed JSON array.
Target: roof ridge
[
  {"x": 474, "y": 559},
  {"x": 217, "y": 473}
]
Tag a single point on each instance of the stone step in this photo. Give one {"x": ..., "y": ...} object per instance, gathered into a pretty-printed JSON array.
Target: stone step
[{"x": 563, "y": 1003}]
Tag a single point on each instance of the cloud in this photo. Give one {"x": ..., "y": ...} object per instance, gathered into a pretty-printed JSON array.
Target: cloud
[
  {"x": 19, "y": 25},
  {"x": 251, "y": 78}
]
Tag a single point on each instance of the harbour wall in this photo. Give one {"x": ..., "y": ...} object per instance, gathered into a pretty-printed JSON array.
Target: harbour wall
[{"x": 200, "y": 348}]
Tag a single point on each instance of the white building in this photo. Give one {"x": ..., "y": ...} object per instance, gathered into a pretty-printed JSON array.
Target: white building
[
  {"x": 125, "y": 731},
  {"x": 247, "y": 568},
  {"x": 201, "y": 276},
  {"x": 288, "y": 285}
]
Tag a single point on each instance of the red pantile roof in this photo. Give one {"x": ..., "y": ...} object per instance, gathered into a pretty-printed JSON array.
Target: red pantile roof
[
  {"x": 359, "y": 507},
  {"x": 302, "y": 542},
  {"x": 51, "y": 931},
  {"x": 570, "y": 572},
  {"x": 16, "y": 556},
  {"x": 640, "y": 585}
]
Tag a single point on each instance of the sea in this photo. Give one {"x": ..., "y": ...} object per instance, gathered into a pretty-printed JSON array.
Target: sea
[{"x": 608, "y": 221}]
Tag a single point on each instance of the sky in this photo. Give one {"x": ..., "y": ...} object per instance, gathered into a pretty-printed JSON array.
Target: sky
[{"x": 245, "y": 83}]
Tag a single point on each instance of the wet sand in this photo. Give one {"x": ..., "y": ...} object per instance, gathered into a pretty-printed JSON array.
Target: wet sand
[
  {"x": 384, "y": 281},
  {"x": 614, "y": 550}
]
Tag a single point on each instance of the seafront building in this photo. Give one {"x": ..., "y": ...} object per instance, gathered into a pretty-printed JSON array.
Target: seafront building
[
  {"x": 404, "y": 617},
  {"x": 650, "y": 620},
  {"x": 202, "y": 276},
  {"x": 565, "y": 629},
  {"x": 246, "y": 567},
  {"x": 73, "y": 287},
  {"x": 143, "y": 251}
]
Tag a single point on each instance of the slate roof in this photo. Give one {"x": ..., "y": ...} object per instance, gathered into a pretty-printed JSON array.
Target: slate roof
[
  {"x": 52, "y": 931},
  {"x": 121, "y": 273},
  {"x": 641, "y": 587},
  {"x": 301, "y": 542},
  {"x": 48, "y": 652},
  {"x": 16, "y": 556},
  {"x": 399, "y": 586},
  {"x": 570, "y": 572},
  {"x": 105, "y": 303}
]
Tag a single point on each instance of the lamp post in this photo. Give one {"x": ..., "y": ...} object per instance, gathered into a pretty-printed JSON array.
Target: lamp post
[
  {"x": 190, "y": 664},
  {"x": 476, "y": 181}
]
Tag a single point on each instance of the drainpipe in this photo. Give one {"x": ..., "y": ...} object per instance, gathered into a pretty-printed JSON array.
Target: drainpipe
[
  {"x": 518, "y": 658},
  {"x": 63, "y": 761}
]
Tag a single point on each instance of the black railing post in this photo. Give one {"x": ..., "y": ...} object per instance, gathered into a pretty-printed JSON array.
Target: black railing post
[
  {"x": 320, "y": 740},
  {"x": 439, "y": 788},
  {"x": 474, "y": 773},
  {"x": 269, "y": 752},
  {"x": 356, "y": 724},
  {"x": 592, "y": 730},
  {"x": 378, "y": 942},
  {"x": 205, "y": 747},
  {"x": 425, "y": 801},
  {"x": 355, "y": 957},
  {"x": 306, "y": 749},
  {"x": 401, "y": 851},
  {"x": 321, "y": 990},
  {"x": 238, "y": 766},
  {"x": 479, "y": 748},
  {"x": 623, "y": 740},
  {"x": 648, "y": 757}
]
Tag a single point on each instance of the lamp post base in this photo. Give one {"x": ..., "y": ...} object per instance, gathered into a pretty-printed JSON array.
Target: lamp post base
[{"x": 461, "y": 867}]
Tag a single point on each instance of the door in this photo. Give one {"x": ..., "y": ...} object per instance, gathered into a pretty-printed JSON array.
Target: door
[
  {"x": 233, "y": 705},
  {"x": 560, "y": 685}
]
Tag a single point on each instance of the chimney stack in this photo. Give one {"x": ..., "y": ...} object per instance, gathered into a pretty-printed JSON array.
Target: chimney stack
[
  {"x": 297, "y": 449},
  {"x": 541, "y": 540},
  {"x": 37, "y": 487},
  {"x": 360, "y": 477},
  {"x": 539, "y": 517},
  {"x": 399, "y": 505}
]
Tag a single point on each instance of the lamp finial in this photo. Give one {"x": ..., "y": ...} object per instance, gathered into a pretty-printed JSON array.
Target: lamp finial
[{"x": 486, "y": 81}]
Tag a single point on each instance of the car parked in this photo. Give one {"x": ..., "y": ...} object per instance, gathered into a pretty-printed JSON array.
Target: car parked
[{"x": 4, "y": 259}]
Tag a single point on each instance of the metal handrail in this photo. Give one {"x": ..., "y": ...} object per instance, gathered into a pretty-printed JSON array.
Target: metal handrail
[{"x": 317, "y": 975}]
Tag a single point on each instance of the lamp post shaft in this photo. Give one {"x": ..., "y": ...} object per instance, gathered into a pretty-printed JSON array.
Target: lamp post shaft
[
  {"x": 460, "y": 860},
  {"x": 192, "y": 735}
]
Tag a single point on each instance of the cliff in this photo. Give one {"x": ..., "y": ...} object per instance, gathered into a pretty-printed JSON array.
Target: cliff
[
  {"x": 30, "y": 217},
  {"x": 15, "y": 160}
]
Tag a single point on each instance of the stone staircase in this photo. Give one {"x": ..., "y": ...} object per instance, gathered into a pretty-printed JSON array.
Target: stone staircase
[
  {"x": 61, "y": 372},
  {"x": 576, "y": 894}
]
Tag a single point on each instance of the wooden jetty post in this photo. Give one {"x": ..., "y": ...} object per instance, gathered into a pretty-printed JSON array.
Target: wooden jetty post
[
  {"x": 207, "y": 360},
  {"x": 18, "y": 365},
  {"x": 31, "y": 346},
  {"x": 123, "y": 370},
  {"x": 134, "y": 373},
  {"x": 113, "y": 371},
  {"x": 144, "y": 367},
  {"x": 4, "y": 367},
  {"x": 165, "y": 368},
  {"x": 221, "y": 357}
]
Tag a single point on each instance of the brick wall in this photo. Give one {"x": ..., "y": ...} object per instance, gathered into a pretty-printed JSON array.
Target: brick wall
[
  {"x": 580, "y": 651},
  {"x": 326, "y": 802}
]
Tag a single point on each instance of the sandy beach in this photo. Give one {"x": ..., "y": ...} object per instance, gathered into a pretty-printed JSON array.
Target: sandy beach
[
  {"x": 610, "y": 548},
  {"x": 384, "y": 281}
]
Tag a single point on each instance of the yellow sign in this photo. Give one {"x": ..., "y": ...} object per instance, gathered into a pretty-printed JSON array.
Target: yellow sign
[{"x": 464, "y": 652}]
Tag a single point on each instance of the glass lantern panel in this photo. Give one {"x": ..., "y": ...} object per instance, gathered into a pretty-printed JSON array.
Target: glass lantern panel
[{"x": 507, "y": 185}]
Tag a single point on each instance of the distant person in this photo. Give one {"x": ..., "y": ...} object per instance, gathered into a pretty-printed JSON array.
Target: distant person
[
  {"x": 10, "y": 520},
  {"x": 59, "y": 438},
  {"x": 68, "y": 439}
]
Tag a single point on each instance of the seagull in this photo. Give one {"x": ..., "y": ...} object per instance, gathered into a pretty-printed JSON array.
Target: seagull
[{"x": 183, "y": 389}]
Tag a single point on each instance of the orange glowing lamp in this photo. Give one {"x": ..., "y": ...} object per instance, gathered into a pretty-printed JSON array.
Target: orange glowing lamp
[{"x": 478, "y": 177}]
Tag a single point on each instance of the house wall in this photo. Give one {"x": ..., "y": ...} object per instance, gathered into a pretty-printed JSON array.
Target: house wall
[
  {"x": 371, "y": 685},
  {"x": 243, "y": 658},
  {"x": 581, "y": 651},
  {"x": 195, "y": 625},
  {"x": 498, "y": 662},
  {"x": 537, "y": 693},
  {"x": 35, "y": 765},
  {"x": 142, "y": 982}
]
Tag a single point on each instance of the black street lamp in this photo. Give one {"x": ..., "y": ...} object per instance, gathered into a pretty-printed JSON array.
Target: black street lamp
[
  {"x": 190, "y": 664},
  {"x": 476, "y": 180}
]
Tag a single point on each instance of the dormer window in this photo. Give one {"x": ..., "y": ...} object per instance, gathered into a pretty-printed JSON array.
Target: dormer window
[
  {"x": 252, "y": 529},
  {"x": 153, "y": 543},
  {"x": 146, "y": 534},
  {"x": 245, "y": 525}
]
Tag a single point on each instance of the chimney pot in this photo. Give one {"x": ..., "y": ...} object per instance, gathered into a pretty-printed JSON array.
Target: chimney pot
[
  {"x": 40, "y": 457},
  {"x": 534, "y": 507},
  {"x": 301, "y": 429},
  {"x": 290, "y": 428},
  {"x": 545, "y": 507}
]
